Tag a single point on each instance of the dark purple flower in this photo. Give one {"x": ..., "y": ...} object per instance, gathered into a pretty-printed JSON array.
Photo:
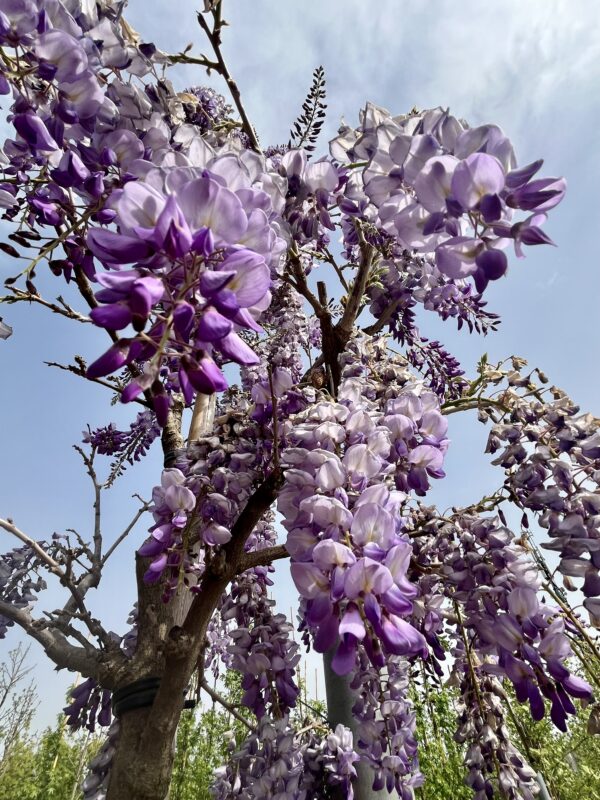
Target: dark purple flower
[
  {"x": 111, "y": 361},
  {"x": 35, "y": 133}
]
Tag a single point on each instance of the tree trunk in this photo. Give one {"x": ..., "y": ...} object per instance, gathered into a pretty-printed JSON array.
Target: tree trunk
[
  {"x": 143, "y": 763},
  {"x": 139, "y": 772}
]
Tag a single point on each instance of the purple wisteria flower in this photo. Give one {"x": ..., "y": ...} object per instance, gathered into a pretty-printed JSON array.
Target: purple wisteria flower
[{"x": 444, "y": 189}]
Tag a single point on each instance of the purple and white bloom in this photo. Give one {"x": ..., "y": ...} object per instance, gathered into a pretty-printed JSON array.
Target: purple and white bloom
[{"x": 478, "y": 176}]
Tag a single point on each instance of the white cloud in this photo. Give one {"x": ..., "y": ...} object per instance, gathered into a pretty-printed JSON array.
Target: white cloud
[{"x": 526, "y": 65}]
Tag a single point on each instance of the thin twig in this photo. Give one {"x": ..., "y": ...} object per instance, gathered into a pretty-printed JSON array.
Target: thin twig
[
  {"x": 214, "y": 695},
  {"x": 89, "y": 465},
  {"x": 64, "y": 308},
  {"x": 140, "y": 512},
  {"x": 214, "y": 37}
]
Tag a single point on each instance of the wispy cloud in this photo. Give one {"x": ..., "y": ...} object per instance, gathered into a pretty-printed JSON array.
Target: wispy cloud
[{"x": 526, "y": 65}]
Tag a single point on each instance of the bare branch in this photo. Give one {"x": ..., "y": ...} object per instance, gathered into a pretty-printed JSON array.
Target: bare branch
[
  {"x": 53, "y": 565},
  {"x": 114, "y": 385},
  {"x": 301, "y": 286},
  {"x": 90, "y": 662},
  {"x": 371, "y": 330},
  {"x": 140, "y": 512},
  {"x": 184, "y": 58},
  {"x": 66, "y": 580},
  {"x": 260, "y": 502},
  {"x": 214, "y": 695},
  {"x": 61, "y": 307},
  {"x": 259, "y": 558},
  {"x": 214, "y": 37},
  {"x": 355, "y": 299},
  {"x": 89, "y": 465},
  {"x": 58, "y": 619}
]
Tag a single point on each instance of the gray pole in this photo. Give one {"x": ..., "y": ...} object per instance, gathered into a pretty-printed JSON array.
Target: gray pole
[
  {"x": 340, "y": 699},
  {"x": 544, "y": 793}
]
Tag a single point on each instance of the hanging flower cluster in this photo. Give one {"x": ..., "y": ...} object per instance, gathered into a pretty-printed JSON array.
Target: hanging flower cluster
[
  {"x": 260, "y": 646},
  {"x": 386, "y": 724},
  {"x": 443, "y": 189},
  {"x": 495, "y": 582},
  {"x": 89, "y": 704},
  {"x": 493, "y": 762},
  {"x": 551, "y": 455},
  {"x": 350, "y": 557},
  {"x": 20, "y": 581},
  {"x": 276, "y": 762}
]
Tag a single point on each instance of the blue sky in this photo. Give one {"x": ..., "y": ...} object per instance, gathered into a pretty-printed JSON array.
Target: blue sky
[{"x": 533, "y": 68}]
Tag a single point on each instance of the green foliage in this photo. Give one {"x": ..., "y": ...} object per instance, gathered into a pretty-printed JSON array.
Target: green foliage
[
  {"x": 52, "y": 765},
  {"x": 570, "y": 762},
  {"x": 203, "y": 739},
  {"x": 440, "y": 758},
  {"x": 49, "y": 767}
]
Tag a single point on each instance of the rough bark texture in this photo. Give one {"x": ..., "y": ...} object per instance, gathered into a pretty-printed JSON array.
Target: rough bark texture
[
  {"x": 169, "y": 646},
  {"x": 143, "y": 762},
  {"x": 170, "y": 639}
]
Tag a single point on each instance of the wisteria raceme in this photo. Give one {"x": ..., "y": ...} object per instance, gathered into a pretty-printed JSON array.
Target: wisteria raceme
[
  {"x": 285, "y": 349},
  {"x": 386, "y": 724},
  {"x": 260, "y": 646},
  {"x": 495, "y": 581},
  {"x": 161, "y": 209},
  {"x": 205, "y": 108},
  {"x": 278, "y": 762},
  {"x": 551, "y": 455},
  {"x": 349, "y": 557},
  {"x": 127, "y": 446},
  {"x": 95, "y": 783},
  {"x": 195, "y": 509},
  {"x": 19, "y": 581},
  {"x": 88, "y": 702},
  {"x": 205, "y": 248},
  {"x": 439, "y": 187},
  {"x": 494, "y": 764}
]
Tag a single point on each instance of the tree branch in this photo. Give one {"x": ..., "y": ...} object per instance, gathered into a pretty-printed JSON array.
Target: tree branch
[
  {"x": 468, "y": 404},
  {"x": 351, "y": 311},
  {"x": 89, "y": 465},
  {"x": 214, "y": 37},
  {"x": 260, "y": 502},
  {"x": 171, "y": 438},
  {"x": 113, "y": 385},
  {"x": 64, "y": 309},
  {"x": 140, "y": 512},
  {"x": 388, "y": 313},
  {"x": 259, "y": 558},
  {"x": 214, "y": 695},
  {"x": 92, "y": 663},
  {"x": 53, "y": 565},
  {"x": 203, "y": 416}
]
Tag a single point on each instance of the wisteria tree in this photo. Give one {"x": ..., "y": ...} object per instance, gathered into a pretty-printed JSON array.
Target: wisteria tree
[{"x": 275, "y": 293}]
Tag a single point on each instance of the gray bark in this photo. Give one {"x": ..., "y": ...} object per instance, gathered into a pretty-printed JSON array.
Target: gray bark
[{"x": 340, "y": 699}]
